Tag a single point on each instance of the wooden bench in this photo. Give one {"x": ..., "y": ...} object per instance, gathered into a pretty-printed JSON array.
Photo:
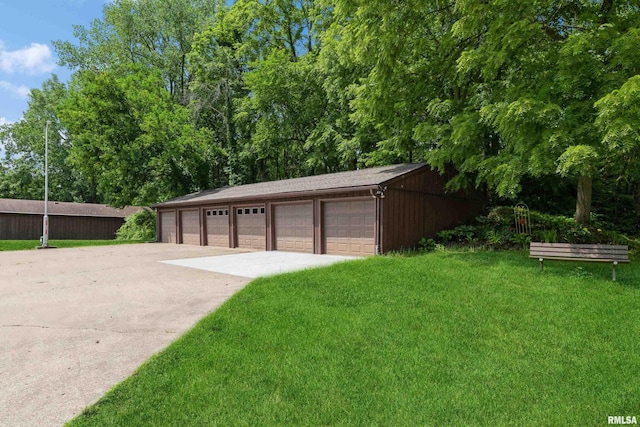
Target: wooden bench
[{"x": 615, "y": 254}]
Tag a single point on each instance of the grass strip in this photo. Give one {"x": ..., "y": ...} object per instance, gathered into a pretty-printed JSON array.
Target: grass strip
[{"x": 19, "y": 245}]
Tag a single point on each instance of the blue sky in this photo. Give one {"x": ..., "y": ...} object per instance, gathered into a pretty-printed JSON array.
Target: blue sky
[{"x": 27, "y": 57}]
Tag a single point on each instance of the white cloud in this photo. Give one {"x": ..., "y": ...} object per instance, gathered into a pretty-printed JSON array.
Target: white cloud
[
  {"x": 21, "y": 91},
  {"x": 4, "y": 121},
  {"x": 34, "y": 59}
]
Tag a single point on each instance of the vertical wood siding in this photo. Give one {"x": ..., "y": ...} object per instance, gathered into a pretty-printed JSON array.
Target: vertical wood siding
[
  {"x": 417, "y": 206},
  {"x": 29, "y": 227}
]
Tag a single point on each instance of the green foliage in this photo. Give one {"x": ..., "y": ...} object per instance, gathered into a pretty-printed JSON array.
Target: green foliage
[
  {"x": 445, "y": 235},
  {"x": 497, "y": 230},
  {"x": 22, "y": 168},
  {"x": 155, "y": 34},
  {"x": 495, "y": 237},
  {"x": 138, "y": 226},
  {"x": 504, "y": 94},
  {"x": 550, "y": 236},
  {"x": 521, "y": 239},
  {"x": 132, "y": 140},
  {"x": 174, "y": 96},
  {"x": 426, "y": 245}
]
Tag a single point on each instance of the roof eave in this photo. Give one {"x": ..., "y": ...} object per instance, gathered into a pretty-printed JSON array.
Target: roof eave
[
  {"x": 187, "y": 203},
  {"x": 62, "y": 214},
  {"x": 406, "y": 174}
]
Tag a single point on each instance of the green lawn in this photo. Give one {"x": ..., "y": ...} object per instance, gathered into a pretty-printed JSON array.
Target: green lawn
[
  {"x": 18, "y": 245},
  {"x": 441, "y": 339}
]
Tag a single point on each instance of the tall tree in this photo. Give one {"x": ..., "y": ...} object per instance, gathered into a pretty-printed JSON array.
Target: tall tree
[
  {"x": 256, "y": 85},
  {"x": 131, "y": 139},
  {"x": 154, "y": 33},
  {"x": 500, "y": 91},
  {"x": 22, "y": 175},
  {"x": 218, "y": 64},
  {"x": 619, "y": 124}
]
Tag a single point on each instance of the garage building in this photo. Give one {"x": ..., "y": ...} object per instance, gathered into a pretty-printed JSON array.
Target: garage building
[
  {"x": 22, "y": 220},
  {"x": 362, "y": 212}
]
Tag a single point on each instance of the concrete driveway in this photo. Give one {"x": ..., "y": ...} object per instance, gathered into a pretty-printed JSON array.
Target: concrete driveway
[
  {"x": 75, "y": 322},
  {"x": 259, "y": 264}
]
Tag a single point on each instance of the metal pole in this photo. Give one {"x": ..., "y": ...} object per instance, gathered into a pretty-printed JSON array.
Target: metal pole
[{"x": 45, "y": 221}]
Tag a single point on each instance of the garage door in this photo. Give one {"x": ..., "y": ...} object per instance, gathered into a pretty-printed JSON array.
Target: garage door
[
  {"x": 251, "y": 228},
  {"x": 218, "y": 227},
  {"x": 349, "y": 227},
  {"x": 168, "y": 227},
  {"x": 293, "y": 227},
  {"x": 190, "y": 227}
]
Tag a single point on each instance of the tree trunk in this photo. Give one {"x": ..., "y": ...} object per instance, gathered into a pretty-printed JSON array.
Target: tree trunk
[
  {"x": 635, "y": 188},
  {"x": 583, "y": 204}
]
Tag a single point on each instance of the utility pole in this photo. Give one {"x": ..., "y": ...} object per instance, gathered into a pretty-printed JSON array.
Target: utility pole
[{"x": 45, "y": 220}]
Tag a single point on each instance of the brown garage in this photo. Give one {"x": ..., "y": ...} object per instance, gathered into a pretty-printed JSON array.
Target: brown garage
[
  {"x": 349, "y": 227},
  {"x": 361, "y": 212},
  {"x": 250, "y": 227},
  {"x": 217, "y": 223},
  {"x": 22, "y": 220},
  {"x": 167, "y": 223},
  {"x": 190, "y": 227},
  {"x": 293, "y": 227}
]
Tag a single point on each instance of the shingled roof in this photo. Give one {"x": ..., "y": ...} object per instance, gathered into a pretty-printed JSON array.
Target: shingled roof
[
  {"x": 350, "y": 180},
  {"x": 17, "y": 206}
]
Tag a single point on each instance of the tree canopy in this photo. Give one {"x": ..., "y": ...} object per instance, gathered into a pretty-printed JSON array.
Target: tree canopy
[{"x": 523, "y": 100}]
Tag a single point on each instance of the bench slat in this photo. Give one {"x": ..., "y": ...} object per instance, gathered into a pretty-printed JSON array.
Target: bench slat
[
  {"x": 577, "y": 245},
  {"x": 607, "y": 260},
  {"x": 579, "y": 253}
]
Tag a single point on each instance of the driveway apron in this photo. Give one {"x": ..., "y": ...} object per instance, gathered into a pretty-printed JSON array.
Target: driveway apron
[{"x": 75, "y": 322}]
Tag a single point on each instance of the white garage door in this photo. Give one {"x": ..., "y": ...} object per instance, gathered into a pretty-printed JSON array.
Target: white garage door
[
  {"x": 218, "y": 227},
  {"x": 190, "y": 227},
  {"x": 349, "y": 227},
  {"x": 251, "y": 227},
  {"x": 168, "y": 227},
  {"x": 293, "y": 227}
]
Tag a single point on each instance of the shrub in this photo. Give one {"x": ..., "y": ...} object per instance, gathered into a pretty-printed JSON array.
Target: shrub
[
  {"x": 497, "y": 231},
  {"x": 550, "y": 236},
  {"x": 445, "y": 235},
  {"x": 139, "y": 226},
  {"x": 427, "y": 245},
  {"x": 495, "y": 238},
  {"x": 501, "y": 215}
]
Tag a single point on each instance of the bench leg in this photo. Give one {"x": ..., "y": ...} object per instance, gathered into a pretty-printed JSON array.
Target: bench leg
[
  {"x": 614, "y": 270},
  {"x": 541, "y": 264}
]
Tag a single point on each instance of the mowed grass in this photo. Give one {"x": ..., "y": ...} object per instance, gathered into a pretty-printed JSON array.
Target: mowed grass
[
  {"x": 19, "y": 245},
  {"x": 439, "y": 339}
]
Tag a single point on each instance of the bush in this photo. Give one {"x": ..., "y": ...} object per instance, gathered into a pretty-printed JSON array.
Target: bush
[
  {"x": 427, "y": 245},
  {"x": 139, "y": 226},
  {"x": 497, "y": 230}
]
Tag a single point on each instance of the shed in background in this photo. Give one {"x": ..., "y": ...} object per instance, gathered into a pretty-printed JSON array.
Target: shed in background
[{"x": 22, "y": 220}]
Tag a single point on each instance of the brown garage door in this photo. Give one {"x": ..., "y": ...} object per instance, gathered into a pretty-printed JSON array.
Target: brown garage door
[
  {"x": 349, "y": 227},
  {"x": 218, "y": 227},
  {"x": 251, "y": 228},
  {"x": 190, "y": 227},
  {"x": 168, "y": 227},
  {"x": 293, "y": 227}
]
